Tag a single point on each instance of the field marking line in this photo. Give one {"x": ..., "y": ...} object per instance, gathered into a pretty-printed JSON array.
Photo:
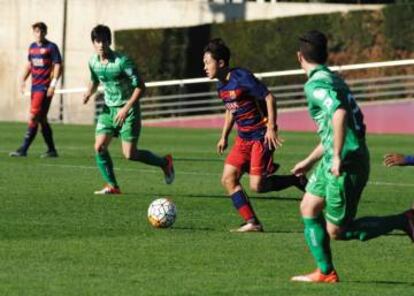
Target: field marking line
[{"x": 377, "y": 183}]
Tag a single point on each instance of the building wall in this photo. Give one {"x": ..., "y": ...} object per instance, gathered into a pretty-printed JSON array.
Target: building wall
[{"x": 16, "y": 17}]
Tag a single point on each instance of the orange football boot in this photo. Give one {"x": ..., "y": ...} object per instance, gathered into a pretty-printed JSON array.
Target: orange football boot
[
  {"x": 107, "y": 190},
  {"x": 317, "y": 277}
]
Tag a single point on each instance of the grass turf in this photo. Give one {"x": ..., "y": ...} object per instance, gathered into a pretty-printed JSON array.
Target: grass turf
[{"x": 57, "y": 238}]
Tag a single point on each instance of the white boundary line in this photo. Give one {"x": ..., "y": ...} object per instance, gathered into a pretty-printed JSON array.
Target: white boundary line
[{"x": 375, "y": 183}]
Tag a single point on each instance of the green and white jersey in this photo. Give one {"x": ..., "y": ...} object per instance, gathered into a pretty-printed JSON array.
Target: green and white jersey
[
  {"x": 119, "y": 77},
  {"x": 326, "y": 92}
]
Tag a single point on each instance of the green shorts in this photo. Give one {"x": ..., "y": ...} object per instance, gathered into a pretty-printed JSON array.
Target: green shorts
[
  {"x": 129, "y": 131},
  {"x": 341, "y": 194}
]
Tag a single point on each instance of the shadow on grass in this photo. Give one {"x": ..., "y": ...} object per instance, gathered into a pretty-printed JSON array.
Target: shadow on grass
[
  {"x": 194, "y": 228},
  {"x": 198, "y": 159},
  {"x": 292, "y": 199},
  {"x": 237, "y": 233},
  {"x": 411, "y": 284}
]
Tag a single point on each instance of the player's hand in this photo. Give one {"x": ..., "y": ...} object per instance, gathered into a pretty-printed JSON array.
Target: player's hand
[
  {"x": 86, "y": 97},
  {"x": 50, "y": 92},
  {"x": 301, "y": 168},
  {"x": 272, "y": 139},
  {"x": 121, "y": 116},
  {"x": 336, "y": 166},
  {"x": 394, "y": 159},
  {"x": 221, "y": 145}
]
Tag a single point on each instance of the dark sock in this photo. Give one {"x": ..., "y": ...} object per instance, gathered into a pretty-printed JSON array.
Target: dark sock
[
  {"x": 48, "y": 136},
  {"x": 243, "y": 206},
  {"x": 279, "y": 182},
  {"x": 367, "y": 228},
  {"x": 150, "y": 158},
  {"x": 29, "y": 137}
]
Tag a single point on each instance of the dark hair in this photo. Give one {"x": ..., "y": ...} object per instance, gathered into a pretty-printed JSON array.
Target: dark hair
[
  {"x": 218, "y": 50},
  {"x": 101, "y": 33},
  {"x": 314, "y": 47},
  {"x": 41, "y": 26}
]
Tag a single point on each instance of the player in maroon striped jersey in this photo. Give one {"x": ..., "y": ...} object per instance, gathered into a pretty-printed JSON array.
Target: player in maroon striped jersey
[
  {"x": 44, "y": 65},
  {"x": 252, "y": 107}
]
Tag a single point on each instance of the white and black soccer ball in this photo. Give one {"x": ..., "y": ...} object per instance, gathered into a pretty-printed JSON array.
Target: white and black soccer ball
[{"x": 162, "y": 213}]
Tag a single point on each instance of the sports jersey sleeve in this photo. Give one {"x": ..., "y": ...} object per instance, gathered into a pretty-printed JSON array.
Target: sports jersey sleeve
[
  {"x": 325, "y": 98},
  {"x": 251, "y": 84},
  {"x": 55, "y": 55},
  {"x": 130, "y": 70}
]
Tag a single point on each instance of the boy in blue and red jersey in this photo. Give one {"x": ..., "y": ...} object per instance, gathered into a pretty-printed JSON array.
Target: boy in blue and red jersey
[
  {"x": 44, "y": 65},
  {"x": 252, "y": 107}
]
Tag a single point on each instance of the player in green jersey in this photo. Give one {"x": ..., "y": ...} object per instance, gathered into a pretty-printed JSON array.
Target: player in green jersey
[
  {"x": 123, "y": 88},
  {"x": 330, "y": 203}
]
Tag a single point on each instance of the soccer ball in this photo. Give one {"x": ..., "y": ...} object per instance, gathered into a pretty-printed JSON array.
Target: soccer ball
[{"x": 162, "y": 213}]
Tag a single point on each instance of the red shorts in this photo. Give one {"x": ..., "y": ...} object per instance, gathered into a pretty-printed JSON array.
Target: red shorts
[
  {"x": 251, "y": 156},
  {"x": 40, "y": 103}
]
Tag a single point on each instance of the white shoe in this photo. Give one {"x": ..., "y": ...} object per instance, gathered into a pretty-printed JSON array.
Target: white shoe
[{"x": 249, "y": 227}]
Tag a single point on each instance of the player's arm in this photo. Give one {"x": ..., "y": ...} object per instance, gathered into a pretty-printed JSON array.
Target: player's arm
[
  {"x": 271, "y": 136},
  {"x": 398, "y": 159},
  {"x": 92, "y": 85},
  {"x": 56, "y": 69},
  {"x": 338, "y": 123},
  {"x": 90, "y": 90},
  {"x": 306, "y": 165},
  {"x": 56, "y": 72},
  {"x": 123, "y": 112},
  {"x": 130, "y": 70},
  {"x": 26, "y": 72},
  {"x": 227, "y": 127}
]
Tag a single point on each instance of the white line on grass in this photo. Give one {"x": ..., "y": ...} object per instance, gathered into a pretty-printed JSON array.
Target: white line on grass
[
  {"x": 376, "y": 183},
  {"x": 127, "y": 169}
]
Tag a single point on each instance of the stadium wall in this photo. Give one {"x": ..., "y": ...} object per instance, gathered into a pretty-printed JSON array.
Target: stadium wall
[{"x": 16, "y": 16}]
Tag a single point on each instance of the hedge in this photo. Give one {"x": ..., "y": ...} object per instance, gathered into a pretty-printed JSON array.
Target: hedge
[{"x": 269, "y": 45}]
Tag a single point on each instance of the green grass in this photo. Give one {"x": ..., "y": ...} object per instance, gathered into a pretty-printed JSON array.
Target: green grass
[{"x": 57, "y": 238}]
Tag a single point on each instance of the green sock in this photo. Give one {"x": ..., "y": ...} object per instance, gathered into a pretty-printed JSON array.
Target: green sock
[
  {"x": 367, "y": 228},
  {"x": 104, "y": 162},
  {"x": 318, "y": 242},
  {"x": 150, "y": 158}
]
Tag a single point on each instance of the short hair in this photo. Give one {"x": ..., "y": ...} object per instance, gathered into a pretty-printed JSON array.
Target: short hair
[
  {"x": 314, "y": 47},
  {"x": 218, "y": 50},
  {"x": 41, "y": 26},
  {"x": 102, "y": 33}
]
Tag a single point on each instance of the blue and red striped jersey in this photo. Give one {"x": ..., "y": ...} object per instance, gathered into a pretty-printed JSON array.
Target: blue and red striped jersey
[
  {"x": 244, "y": 96},
  {"x": 42, "y": 58}
]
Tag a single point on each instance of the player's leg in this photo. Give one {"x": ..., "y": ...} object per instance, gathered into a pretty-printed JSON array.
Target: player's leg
[
  {"x": 263, "y": 184},
  {"x": 231, "y": 182},
  {"x": 35, "y": 111},
  {"x": 46, "y": 129},
  {"x": 236, "y": 161},
  {"x": 130, "y": 132},
  {"x": 317, "y": 240},
  {"x": 316, "y": 235},
  {"x": 105, "y": 165},
  {"x": 261, "y": 168},
  {"x": 366, "y": 228},
  {"x": 103, "y": 136}
]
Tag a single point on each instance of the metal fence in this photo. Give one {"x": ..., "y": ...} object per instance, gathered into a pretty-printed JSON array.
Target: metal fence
[
  {"x": 183, "y": 103},
  {"x": 177, "y": 98}
]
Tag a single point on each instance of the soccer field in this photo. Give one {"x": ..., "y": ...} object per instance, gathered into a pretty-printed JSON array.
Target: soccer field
[{"x": 57, "y": 238}]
